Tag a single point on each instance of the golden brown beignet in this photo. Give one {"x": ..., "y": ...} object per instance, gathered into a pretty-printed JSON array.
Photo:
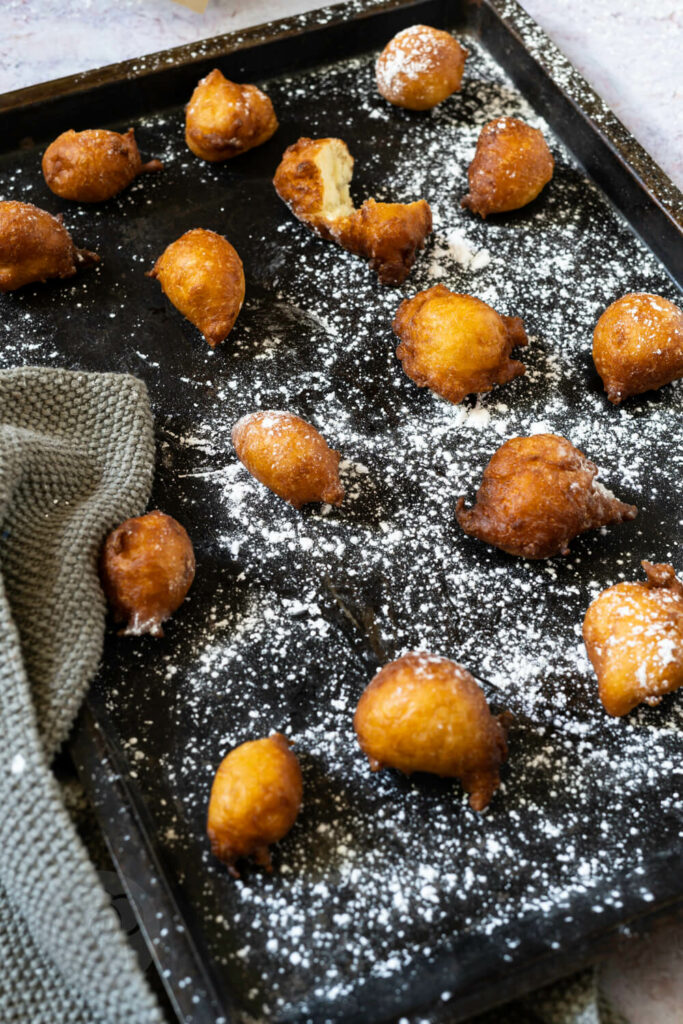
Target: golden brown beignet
[
  {"x": 638, "y": 345},
  {"x": 420, "y": 67},
  {"x": 202, "y": 276},
  {"x": 93, "y": 165},
  {"x": 289, "y": 456},
  {"x": 456, "y": 344},
  {"x": 224, "y": 119},
  {"x": 35, "y": 246},
  {"x": 146, "y": 568},
  {"x": 255, "y": 799},
  {"x": 536, "y": 495},
  {"x": 511, "y": 165},
  {"x": 313, "y": 178},
  {"x": 424, "y": 713},
  {"x": 634, "y": 637},
  {"x": 388, "y": 235}
]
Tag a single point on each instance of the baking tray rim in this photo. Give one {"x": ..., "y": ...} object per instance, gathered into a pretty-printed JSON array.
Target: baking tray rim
[
  {"x": 650, "y": 178},
  {"x": 625, "y": 147}
]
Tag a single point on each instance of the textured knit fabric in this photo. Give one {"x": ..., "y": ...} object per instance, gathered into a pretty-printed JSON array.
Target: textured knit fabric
[{"x": 76, "y": 458}]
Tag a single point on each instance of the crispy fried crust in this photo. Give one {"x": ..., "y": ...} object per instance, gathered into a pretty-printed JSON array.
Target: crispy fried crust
[
  {"x": 638, "y": 345},
  {"x": 146, "y": 568},
  {"x": 313, "y": 179},
  {"x": 389, "y": 235},
  {"x": 420, "y": 67},
  {"x": 536, "y": 495},
  {"x": 255, "y": 799},
  {"x": 35, "y": 246},
  {"x": 93, "y": 165},
  {"x": 289, "y": 456},
  {"x": 634, "y": 638},
  {"x": 511, "y": 165},
  {"x": 424, "y": 713},
  {"x": 202, "y": 276},
  {"x": 456, "y": 344},
  {"x": 224, "y": 119}
]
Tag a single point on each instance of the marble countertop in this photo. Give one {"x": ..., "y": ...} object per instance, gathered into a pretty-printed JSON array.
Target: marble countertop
[{"x": 629, "y": 52}]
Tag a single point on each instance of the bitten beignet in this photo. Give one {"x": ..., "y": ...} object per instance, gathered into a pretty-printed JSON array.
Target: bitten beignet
[
  {"x": 420, "y": 67},
  {"x": 313, "y": 178},
  {"x": 255, "y": 799},
  {"x": 511, "y": 165},
  {"x": 289, "y": 456},
  {"x": 424, "y": 713},
  {"x": 35, "y": 246},
  {"x": 536, "y": 495},
  {"x": 456, "y": 344},
  {"x": 146, "y": 568},
  {"x": 634, "y": 637},
  {"x": 638, "y": 345},
  {"x": 224, "y": 119},
  {"x": 202, "y": 276},
  {"x": 94, "y": 165}
]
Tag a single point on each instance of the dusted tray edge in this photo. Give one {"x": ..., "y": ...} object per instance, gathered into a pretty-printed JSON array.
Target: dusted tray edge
[
  {"x": 548, "y": 967},
  {"x": 122, "y": 819},
  {"x": 520, "y": 24},
  {"x": 96, "y": 763}
]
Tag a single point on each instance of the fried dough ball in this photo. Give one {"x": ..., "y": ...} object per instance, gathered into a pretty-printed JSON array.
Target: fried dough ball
[
  {"x": 224, "y": 119},
  {"x": 255, "y": 799},
  {"x": 420, "y": 67},
  {"x": 93, "y": 165},
  {"x": 511, "y": 165},
  {"x": 388, "y": 235},
  {"x": 313, "y": 178},
  {"x": 456, "y": 344},
  {"x": 634, "y": 637},
  {"x": 638, "y": 345},
  {"x": 202, "y": 276},
  {"x": 536, "y": 495},
  {"x": 289, "y": 456},
  {"x": 146, "y": 568},
  {"x": 35, "y": 246},
  {"x": 424, "y": 713}
]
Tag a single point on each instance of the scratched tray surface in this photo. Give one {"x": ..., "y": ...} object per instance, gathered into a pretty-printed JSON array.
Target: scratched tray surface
[{"x": 388, "y": 892}]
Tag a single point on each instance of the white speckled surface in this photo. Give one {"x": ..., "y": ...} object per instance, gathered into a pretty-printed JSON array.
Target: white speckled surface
[{"x": 629, "y": 52}]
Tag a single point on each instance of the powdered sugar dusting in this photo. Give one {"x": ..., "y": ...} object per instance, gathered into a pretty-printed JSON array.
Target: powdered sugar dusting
[{"x": 292, "y": 612}]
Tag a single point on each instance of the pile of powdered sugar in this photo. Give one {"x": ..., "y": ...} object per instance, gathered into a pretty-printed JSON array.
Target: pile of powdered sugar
[{"x": 292, "y": 612}]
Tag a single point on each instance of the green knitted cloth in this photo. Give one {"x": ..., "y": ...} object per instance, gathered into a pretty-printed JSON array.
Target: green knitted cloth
[{"x": 76, "y": 458}]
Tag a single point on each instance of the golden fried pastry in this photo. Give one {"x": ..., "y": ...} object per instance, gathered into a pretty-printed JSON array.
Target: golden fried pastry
[
  {"x": 289, "y": 456},
  {"x": 93, "y": 165},
  {"x": 388, "y": 235},
  {"x": 146, "y": 568},
  {"x": 536, "y": 495},
  {"x": 511, "y": 165},
  {"x": 224, "y": 119},
  {"x": 35, "y": 246},
  {"x": 638, "y": 345},
  {"x": 634, "y": 637},
  {"x": 255, "y": 800},
  {"x": 313, "y": 178},
  {"x": 423, "y": 713},
  {"x": 456, "y": 344},
  {"x": 202, "y": 275},
  {"x": 420, "y": 67}
]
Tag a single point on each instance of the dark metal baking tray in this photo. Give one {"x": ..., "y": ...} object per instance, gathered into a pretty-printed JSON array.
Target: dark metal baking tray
[{"x": 390, "y": 897}]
